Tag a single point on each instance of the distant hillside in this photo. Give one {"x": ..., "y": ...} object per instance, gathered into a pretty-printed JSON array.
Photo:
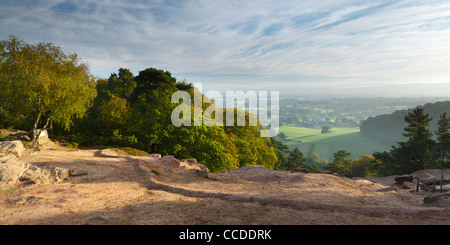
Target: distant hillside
[
  {"x": 311, "y": 140},
  {"x": 388, "y": 128}
]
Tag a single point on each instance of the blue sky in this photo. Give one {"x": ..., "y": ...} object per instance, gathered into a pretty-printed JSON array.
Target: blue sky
[{"x": 293, "y": 46}]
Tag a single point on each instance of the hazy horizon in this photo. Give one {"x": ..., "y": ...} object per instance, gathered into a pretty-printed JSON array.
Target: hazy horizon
[
  {"x": 390, "y": 91},
  {"x": 308, "y": 48}
]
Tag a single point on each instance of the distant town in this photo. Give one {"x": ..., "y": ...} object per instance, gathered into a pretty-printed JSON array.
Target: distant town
[{"x": 342, "y": 112}]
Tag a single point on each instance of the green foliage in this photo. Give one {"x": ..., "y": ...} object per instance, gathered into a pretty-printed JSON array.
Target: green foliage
[
  {"x": 143, "y": 121},
  {"x": 114, "y": 113},
  {"x": 42, "y": 86},
  {"x": 414, "y": 154},
  {"x": 314, "y": 164},
  {"x": 151, "y": 117},
  {"x": 326, "y": 129},
  {"x": 252, "y": 148},
  {"x": 443, "y": 141},
  {"x": 365, "y": 166},
  {"x": 4, "y": 116},
  {"x": 117, "y": 139},
  {"x": 420, "y": 151},
  {"x": 184, "y": 85},
  {"x": 388, "y": 128},
  {"x": 296, "y": 159},
  {"x": 151, "y": 79},
  {"x": 311, "y": 140},
  {"x": 215, "y": 149},
  {"x": 42, "y": 81},
  {"x": 72, "y": 145},
  {"x": 209, "y": 145},
  {"x": 132, "y": 151},
  {"x": 281, "y": 151},
  {"x": 121, "y": 84},
  {"x": 282, "y": 136},
  {"x": 342, "y": 164},
  {"x": 289, "y": 159},
  {"x": 7, "y": 138},
  {"x": 388, "y": 164}
]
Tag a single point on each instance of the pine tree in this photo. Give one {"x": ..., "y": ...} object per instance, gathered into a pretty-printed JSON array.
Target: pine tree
[
  {"x": 342, "y": 164},
  {"x": 443, "y": 141},
  {"x": 416, "y": 153},
  {"x": 296, "y": 159}
]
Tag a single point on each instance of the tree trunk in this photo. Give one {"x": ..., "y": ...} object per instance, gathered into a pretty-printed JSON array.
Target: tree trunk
[{"x": 37, "y": 132}]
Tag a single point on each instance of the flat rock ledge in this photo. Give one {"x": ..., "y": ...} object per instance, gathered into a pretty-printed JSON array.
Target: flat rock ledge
[{"x": 15, "y": 172}]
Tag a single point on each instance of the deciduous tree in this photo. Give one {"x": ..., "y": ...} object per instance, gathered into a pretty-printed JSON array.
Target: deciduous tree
[{"x": 40, "y": 81}]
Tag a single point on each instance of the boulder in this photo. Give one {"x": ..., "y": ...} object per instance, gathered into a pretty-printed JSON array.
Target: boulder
[
  {"x": 190, "y": 161},
  {"x": 43, "y": 138},
  {"x": 14, "y": 172},
  {"x": 407, "y": 185},
  {"x": 301, "y": 170},
  {"x": 192, "y": 164},
  {"x": 170, "y": 162},
  {"x": 155, "y": 155},
  {"x": 202, "y": 173},
  {"x": 405, "y": 178},
  {"x": 12, "y": 147},
  {"x": 58, "y": 174}
]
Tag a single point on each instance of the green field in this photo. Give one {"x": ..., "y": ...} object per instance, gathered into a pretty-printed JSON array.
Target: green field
[{"x": 311, "y": 140}]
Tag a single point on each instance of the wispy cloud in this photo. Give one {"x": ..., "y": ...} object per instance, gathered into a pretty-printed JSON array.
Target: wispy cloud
[{"x": 248, "y": 43}]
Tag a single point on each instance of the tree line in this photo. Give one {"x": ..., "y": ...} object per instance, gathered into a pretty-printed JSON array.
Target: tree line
[
  {"x": 419, "y": 151},
  {"x": 388, "y": 128},
  {"x": 44, "y": 88}
]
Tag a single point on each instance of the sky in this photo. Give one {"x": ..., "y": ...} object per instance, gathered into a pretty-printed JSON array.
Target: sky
[{"x": 384, "y": 48}]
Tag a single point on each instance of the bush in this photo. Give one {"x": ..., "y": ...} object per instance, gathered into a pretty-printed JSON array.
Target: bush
[
  {"x": 72, "y": 145},
  {"x": 133, "y": 151},
  {"x": 326, "y": 129},
  {"x": 118, "y": 139}
]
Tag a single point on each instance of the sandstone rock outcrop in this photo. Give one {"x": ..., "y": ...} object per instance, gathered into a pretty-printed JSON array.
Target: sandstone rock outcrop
[
  {"x": 14, "y": 172},
  {"x": 43, "y": 138},
  {"x": 12, "y": 147},
  {"x": 170, "y": 162}
]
